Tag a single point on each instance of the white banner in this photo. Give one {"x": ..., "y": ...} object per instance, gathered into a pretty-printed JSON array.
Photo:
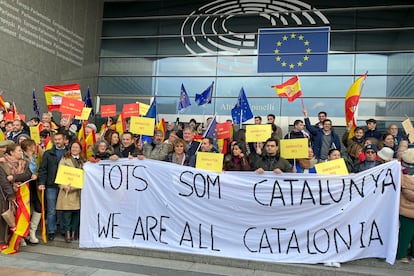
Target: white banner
[{"x": 295, "y": 218}]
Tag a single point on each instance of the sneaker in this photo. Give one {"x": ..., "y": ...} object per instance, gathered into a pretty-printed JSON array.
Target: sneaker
[
  {"x": 50, "y": 236},
  {"x": 404, "y": 260},
  {"x": 23, "y": 243}
]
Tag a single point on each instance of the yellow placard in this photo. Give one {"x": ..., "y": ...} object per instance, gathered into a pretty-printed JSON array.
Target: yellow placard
[
  {"x": 69, "y": 176},
  {"x": 209, "y": 161},
  {"x": 258, "y": 133},
  {"x": 143, "y": 108},
  {"x": 142, "y": 125},
  {"x": 86, "y": 111},
  {"x": 336, "y": 166},
  {"x": 294, "y": 148},
  {"x": 34, "y": 134}
]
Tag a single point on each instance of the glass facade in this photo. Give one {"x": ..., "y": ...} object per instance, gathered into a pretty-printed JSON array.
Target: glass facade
[{"x": 150, "y": 48}]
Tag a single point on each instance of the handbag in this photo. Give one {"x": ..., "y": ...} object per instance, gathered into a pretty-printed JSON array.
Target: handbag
[{"x": 9, "y": 216}]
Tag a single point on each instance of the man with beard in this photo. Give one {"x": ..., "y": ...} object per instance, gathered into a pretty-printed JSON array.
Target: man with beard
[{"x": 157, "y": 150}]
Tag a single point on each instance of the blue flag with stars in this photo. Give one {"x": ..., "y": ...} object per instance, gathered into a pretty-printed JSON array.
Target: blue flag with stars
[
  {"x": 293, "y": 50},
  {"x": 242, "y": 109},
  {"x": 184, "y": 99},
  {"x": 205, "y": 97}
]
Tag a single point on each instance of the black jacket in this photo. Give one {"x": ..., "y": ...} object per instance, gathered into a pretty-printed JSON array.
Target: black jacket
[{"x": 48, "y": 168}]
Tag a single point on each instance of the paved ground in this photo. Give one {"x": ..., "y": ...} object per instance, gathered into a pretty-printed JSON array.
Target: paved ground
[{"x": 59, "y": 258}]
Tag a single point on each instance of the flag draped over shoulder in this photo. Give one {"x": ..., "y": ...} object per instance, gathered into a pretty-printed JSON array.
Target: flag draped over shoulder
[
  {"x": 351, "y": 102},
  {"x": 35, "y": 107},
  {"x": 88, "y": 102},
  {"x": 22, "y": 219},
  {"x": 289, "y": 89},
  {"x": 184, "y": 99},
  {"x": 206, "y": 96},
  {"x": 242, "y": 109},
  {"x": 54, "y": 94}
]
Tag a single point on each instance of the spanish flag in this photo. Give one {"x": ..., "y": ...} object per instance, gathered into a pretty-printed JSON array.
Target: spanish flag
[
  {"x": 289, "y": 89},
  {"x": 351, "y": 102},
  {"x": 22, "y": 219},
  {"x": 88, "y": 144},
  {"x": 161, "y": 126},
  {"x": 3, "y": 104},
  {"x": 54, "y": 94},
  {"x": 120, "y": 124}
]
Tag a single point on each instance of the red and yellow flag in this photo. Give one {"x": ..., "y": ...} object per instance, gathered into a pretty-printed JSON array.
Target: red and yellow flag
[
  {"x": 88, "y": 144},
  {"x": 351, "y": 102},
  {"x": 54, "y": 94},
  {"x": 120, "y": 124},
  {"x": 289, "y": 89},
  {"x": 22, "y": 219},
  {"x": 3, "y": 104},
  {"x": 161, "y": 126},
  {"x": 81, "y": 134}
]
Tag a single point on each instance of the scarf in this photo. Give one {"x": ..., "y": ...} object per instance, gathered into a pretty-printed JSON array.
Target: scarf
[
  {"x": 15, "y": 166},
  {"x": 178, "y": 159}
]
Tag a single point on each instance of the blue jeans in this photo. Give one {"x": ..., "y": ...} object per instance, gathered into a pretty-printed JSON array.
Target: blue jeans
[{"x": 51, "y": 197}]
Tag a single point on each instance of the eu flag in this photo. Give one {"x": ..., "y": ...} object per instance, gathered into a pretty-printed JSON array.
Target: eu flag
[
  {"x": 152, "y": 111},
  {"x": 293, "y": 50},
  {"x": 184, "y": 99},
  {"x": 205, "y": 97},
  {"x": 242, "y": 109},
  {"x": 211, "y": 132},
  {"x": 88, "y": 101}
]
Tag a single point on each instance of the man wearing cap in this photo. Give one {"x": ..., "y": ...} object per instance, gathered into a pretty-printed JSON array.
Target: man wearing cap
[
  {"x": 370, "y": 159},
  {"x": 371, "y": 130}
]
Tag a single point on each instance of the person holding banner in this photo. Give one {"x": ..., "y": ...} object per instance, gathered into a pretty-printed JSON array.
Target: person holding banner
[
  {"x": 102, "y": 151},
  {"x": 112, "y": 137},
  {"x": 271, "y": 160},
  {"x": 370, "y": 159},
  {"x": 306, "y": 165},
  {"x": 156, "y": 150},
  {"x": 406, "y": 233},
  {"x": 68, "y": 199},
  {"x": 237, "y": 160},
  {"x": 179, "y": 155}
]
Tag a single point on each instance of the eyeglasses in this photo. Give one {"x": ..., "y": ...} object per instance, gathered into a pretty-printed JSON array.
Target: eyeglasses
[{"x": 370, "y": 152}]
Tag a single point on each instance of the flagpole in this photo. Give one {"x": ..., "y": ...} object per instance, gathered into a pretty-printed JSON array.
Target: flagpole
[{"x": 241, "y": 118}]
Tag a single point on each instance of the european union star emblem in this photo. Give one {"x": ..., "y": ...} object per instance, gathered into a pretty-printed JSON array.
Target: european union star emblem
[{"x": 293, "y": 50}]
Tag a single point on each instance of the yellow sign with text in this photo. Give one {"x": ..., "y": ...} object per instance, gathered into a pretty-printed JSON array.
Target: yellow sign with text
[
  {"x": 142, "y": 125},
  {"x": 258, "y": 133},
  {"x": 86, "y": 111},
  {"x": 34, "y": 134},
  {"x": 336, "y": 166},
  {"x": 143, "y": 108},
  {"x": 209, "y": 161},
  {"x": 294, "y": 148},
  {"x": 69, "y": 176}
]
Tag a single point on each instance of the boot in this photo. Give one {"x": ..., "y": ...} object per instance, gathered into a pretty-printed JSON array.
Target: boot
[
  {"x": 68, "y": 237},
  {"x": 34, "y": 222},
  {"x": 74, "y": 236}
]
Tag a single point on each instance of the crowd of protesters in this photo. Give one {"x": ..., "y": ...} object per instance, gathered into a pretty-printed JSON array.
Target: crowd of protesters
[{"x": 22, "y": 159}]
